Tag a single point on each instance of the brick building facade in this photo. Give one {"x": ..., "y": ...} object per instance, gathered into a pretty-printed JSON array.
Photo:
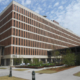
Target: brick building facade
[{"x": 26, "y": 34}]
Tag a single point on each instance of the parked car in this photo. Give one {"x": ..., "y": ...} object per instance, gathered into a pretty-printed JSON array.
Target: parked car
[
  {"x": 22, "y": 64},
  {"x": 28, "y": 64}
]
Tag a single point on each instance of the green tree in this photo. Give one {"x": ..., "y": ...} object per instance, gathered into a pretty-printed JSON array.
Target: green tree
[
  {"x": 78, "y": 59},
  {"x": 55, "y": 54},
  {"x": 69, "y": 58},
  {"x": 26, "y": 61}
]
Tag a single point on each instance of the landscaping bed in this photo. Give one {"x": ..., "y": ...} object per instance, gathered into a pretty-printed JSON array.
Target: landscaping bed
[
  {"x": 53, "y": 70},
  {"x": 35, "y": 67}
]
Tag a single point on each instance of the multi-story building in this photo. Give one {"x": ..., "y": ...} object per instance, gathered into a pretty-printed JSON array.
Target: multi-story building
[{"x": 26, "y": 34}]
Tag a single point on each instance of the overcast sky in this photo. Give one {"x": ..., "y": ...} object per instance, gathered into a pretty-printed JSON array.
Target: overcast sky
[{"x": 66, "y": 12}]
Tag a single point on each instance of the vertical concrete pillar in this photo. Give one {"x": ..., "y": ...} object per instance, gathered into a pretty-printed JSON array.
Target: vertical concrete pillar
[
  {"x": 4, "y": 62},
  {"x": 39, "y": 59},
  {"x": 22, "y": 61},
  {"x": 31, "y": 59},
  {"x": 0, "y": 56},
  {"x": 11, "y": 61},
  {"x": 46, "y": 60},
  {"x": 51, "y": 60}
]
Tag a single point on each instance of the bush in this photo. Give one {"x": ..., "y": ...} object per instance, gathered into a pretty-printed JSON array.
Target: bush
[
  {"x": 26, "y": 61},
  {"x": 77, "y": 59},
  {"x": 69, "y": 58}
]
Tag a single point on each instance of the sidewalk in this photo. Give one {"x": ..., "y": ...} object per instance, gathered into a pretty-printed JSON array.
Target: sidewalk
[{"x": 63, "y": 75}]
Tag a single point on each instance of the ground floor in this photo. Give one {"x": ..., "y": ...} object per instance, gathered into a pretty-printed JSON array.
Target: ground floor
[{"x": 17, "y": 61}]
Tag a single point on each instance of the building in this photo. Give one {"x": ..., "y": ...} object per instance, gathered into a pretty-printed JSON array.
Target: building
[{"x": 25, "y": 34}]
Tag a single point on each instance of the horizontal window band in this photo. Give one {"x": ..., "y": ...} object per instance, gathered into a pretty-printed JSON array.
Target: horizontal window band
[
  {"x": 43, "y": 24},
  {"x": 32, "y": 40},
  {"x": 40, "y": 35}
]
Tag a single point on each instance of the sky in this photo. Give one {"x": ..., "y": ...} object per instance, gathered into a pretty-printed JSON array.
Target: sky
[{"x": 66, "y": 12}]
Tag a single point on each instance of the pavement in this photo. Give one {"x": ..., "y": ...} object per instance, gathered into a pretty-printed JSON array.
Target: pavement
[{"x": 63, "y": 75}]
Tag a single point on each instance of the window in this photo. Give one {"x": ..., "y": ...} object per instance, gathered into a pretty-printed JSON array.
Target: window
[
  {"x": 14, "y": 14},
  {"x": 13, "y": 40},
  {"x": 16, "y": 50},
  {"x": 14, "y": 23},
  {"x": 19, "y": 24},
  {"x": 24, "y": 11},
  {"x": 13, "y": 50},
  {"x": 16, "y": 41},
  {"x": 17, "y": 16},
  {"x": 24, "y": 19},
  {"x": 24, "y": 26},
  {"x": 19, "y": 41},
  {"x": 19, "y": 50},
  {"x": 14, "y": 7},
  {"x": 19, "y": 32},
  {"x": 17, "y": 8},
  {"x": 28, "y": 13}
]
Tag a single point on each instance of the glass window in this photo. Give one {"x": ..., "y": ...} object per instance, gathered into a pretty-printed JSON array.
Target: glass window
[
  {"x": 13, "y": 50},
  {"x": 16, "y": 50},
  {"x": 14, "y": 14},
  {"x": 14, "y": 7},
  {"x": 17, "y": 16},
  {"x": 17, "y": 8},
  {"x": 14, "y": 23},
  {"x": 24, "y": 11}
]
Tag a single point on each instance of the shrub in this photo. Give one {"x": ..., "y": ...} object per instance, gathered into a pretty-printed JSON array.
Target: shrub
[{"x": 69, "y": 58}]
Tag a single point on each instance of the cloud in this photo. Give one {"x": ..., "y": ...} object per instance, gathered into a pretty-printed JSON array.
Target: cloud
[
  {"x": 3, "y": 2},
  {"x": 26, "y": 2},
  {"x": 56, "y": 4},
  {"x": 60, "y": 7},
  {"x": 63, "y": 2},
  {"x": 38, "y": 9},
  {"x": 70, "y": 18}
]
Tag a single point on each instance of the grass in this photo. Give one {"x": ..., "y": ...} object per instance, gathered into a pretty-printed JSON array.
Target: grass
[
  {"x": 10, "y": 78},
  {"x": 53, "y": 70},
  {"x": 45, "y": 71},
  {"x": 20, "y": 69},
  {"x": 77, "y": 74},
  {"x": 3, "y": 68}
]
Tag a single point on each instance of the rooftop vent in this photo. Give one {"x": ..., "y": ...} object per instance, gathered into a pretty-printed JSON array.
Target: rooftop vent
[
  {"x": 45, "y": 16},
  {"x": 55, "y": 22}
]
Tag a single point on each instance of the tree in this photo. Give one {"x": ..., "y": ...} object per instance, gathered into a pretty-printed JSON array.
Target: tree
[
  {"x": 55, "y": 54},
  {"x": 69, "y": 58},
  {"x": 78, "y": 59}
]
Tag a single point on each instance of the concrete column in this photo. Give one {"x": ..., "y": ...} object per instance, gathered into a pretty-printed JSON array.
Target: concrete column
[
  {"x": 4, "y": 62},
  {"x": 11, "y": 61},
  {"x": 31, "y": 59},
  {"x": 46, "y": 60},
  {"x": 0, "y": 56},
  {"x": 22, "y": 61},
  {"x": 51, "y": 60},
  {"x": 39, "y": 59}
]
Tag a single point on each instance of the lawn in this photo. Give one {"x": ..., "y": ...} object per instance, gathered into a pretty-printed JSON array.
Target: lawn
[
  {"x": 53, "y": 70},
  {"x": 20, "y": 69},
  {"x": 11, "y": 78},
  {"x": 77, "y": 74}
]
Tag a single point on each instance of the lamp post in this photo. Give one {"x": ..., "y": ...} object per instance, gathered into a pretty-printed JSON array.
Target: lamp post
[
  {"x": 10, "y": 74},
  {"x": 33, "y": 75}
]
